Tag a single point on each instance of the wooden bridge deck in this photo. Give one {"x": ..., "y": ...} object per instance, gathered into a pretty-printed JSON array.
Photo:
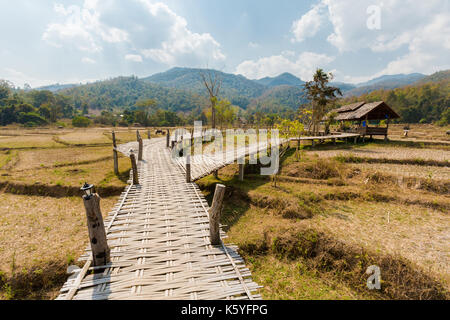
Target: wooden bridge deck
[{"x": 158, "y": 234}]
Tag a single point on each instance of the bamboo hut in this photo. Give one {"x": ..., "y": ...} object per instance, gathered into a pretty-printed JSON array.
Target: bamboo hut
[{"x": 362, "y": 114}]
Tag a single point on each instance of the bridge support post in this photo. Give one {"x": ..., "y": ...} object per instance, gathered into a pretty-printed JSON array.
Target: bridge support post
[
  {"x": 168, "y": 138},
  {"x": 241, "y": 172},
  {"x": 215, "y": 213},
  {"x": 97, "y": 233},
  {"x": 188, "y": 168},
  {"x": 216, "y": 174},
  {"x": 148, "y": 134},
  {"x": 334, "y": 141},
  {"x": 134, "y": 168},
  {"x": 115, "y": 155}
]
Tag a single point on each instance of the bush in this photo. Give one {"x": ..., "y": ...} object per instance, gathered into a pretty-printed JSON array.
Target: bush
[
  {"x": 445, "y": 120},
  {"x": 31, "y": 119},
  {"x": 81, "y": 122}
]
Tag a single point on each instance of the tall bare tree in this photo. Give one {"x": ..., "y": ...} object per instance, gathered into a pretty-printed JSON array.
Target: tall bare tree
[{"x": 213, "y": 83}]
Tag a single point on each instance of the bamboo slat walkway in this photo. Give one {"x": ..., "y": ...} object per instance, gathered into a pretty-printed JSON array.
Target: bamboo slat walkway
[{"x": 158, "y": 234}]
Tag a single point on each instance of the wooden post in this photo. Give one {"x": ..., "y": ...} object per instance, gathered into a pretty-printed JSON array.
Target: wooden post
[
  {"x": 313, "y": 143},
  {"x": 356, "y": 140},
  {"x": 148, "y": 134},
  {"x": 188, "y": 168},
  {"x": 173, "y": 144},
  {"x": 141, "y": 148},
  {"x": 138, "y": 136},
  {"x": 134, "y": 168},
  {"x": 115, "y": 155},
  {"x": 241, "y": 172},
  {"x": 97, "y": 233},
  {"x": 334, "y": 141},
  {"x": 168, "y": 138},
  {"x": 387, "y": 129},
  {"x": 215, "y": 213},
  {"x": 216, "y": 174}
]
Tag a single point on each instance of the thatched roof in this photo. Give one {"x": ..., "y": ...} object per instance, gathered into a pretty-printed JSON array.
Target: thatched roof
[{"x": 360, "y": 110}]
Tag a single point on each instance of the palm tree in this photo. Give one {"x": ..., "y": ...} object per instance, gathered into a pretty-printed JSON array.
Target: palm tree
[{"x": 320, "y": 95}]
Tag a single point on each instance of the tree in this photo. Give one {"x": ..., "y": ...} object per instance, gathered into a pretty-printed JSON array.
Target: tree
[
  {"x": 225, "y": 112},
  {"x": 81, "y": 122},
  {"x": 145, "y": 107},
  {"x": 320, "y": 95},
  {"x": 5, "y": 89},
  {"x": 212, "y": 84}
]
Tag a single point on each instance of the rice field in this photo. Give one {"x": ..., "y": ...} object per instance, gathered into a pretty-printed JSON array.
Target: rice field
[
  {"x": 406, "y": 170},
  {"x": 377, "y": 152},
  {"x": 34, "y": 159}
]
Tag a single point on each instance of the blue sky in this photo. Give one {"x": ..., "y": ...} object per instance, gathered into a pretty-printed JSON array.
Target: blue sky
[{"x": 68, "y": 41}]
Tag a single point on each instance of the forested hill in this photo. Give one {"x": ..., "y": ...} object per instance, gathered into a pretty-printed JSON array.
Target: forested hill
[
  {"x": 425, "y": 101},
  {"x": 181, "y": 90},
  {"x": 191, "y": 80},
  {"x": 124, "y": 92},
  {"x": 283, "y": 79},
  {"x": 279, "y": 99},
  {"x": 384, "y": 82}
]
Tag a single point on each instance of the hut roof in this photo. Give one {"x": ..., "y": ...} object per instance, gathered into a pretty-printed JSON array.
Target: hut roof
[{"x": 358, "y": 111}]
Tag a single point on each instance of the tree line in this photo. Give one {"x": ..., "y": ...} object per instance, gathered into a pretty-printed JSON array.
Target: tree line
[{"x": 125, "y": 101}]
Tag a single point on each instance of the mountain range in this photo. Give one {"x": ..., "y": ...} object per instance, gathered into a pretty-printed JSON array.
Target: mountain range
[{"x": 185, "y": 85}]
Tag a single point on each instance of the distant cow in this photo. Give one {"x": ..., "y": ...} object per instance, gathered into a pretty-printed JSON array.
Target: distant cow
[{"x": 159, "y": 132}]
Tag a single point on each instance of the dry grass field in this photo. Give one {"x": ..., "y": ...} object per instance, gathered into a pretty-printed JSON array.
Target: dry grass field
[
  {"x": 42, "y": 219},
  {"x": 420, "y": 132}
]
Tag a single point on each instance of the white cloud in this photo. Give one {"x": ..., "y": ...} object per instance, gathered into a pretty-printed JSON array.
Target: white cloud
[
  {"x": 82, "y": 28},
  {"x": 303, "y": 67},
  {"x": 421, "y": 28},
  {"x": 309, "y": 24},
  {"x": 181, "y": 44},
  {"x": 88, "y": 60},
  {"x": 253, "y": 45},
  {"x": 133, "y": 57},
  {"x": 150, "y": 28}
]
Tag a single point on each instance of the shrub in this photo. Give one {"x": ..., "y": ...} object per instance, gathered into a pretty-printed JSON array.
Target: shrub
[
  {"x": 81, "y": 122},
  {"x": 31, "y": 119}
]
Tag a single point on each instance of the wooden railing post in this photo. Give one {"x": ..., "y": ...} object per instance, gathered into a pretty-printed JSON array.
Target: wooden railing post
[
  {"x": 141, "y": 148},
  {"x": 168, "y": 138},
  {"x": 188, "y": 168},
  {"x": 148, "y": 134},
  {"x": 134, "y": 168},
  {"x": 97, "y": 233},
  {"x": 214, "y": 214},
  {"x": 115, "y": 155}
]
